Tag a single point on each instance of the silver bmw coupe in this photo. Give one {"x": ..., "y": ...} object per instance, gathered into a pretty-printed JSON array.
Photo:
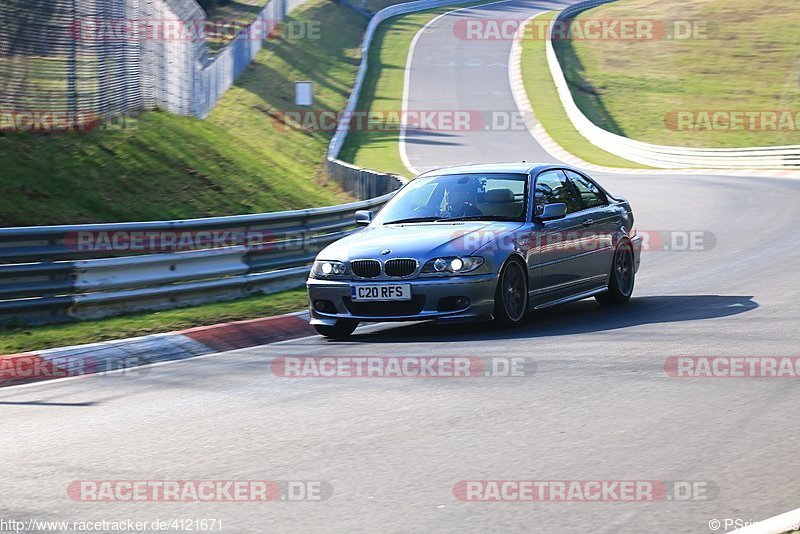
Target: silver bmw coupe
[{"x": 478, "y": 242}]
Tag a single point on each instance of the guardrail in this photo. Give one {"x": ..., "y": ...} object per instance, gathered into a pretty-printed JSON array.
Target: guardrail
[
  {"x": 52, "y": 273},
  {"x": 786, "y": 157}
]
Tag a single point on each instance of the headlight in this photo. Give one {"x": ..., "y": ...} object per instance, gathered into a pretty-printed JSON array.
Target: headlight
[
  {"x": 325, "y": 268},
  {"x": 458, "y": 265}
]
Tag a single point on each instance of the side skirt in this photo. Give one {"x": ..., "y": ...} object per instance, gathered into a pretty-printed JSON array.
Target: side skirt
[{"x": 572, "y": 298}]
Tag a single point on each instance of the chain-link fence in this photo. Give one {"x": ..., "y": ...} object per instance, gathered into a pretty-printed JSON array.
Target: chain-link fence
[
  {"x": 43, "y": 67},
  {"x": 86, "y": 59}
]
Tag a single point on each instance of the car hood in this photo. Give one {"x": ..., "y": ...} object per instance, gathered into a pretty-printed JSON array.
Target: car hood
[{"x": 418, "y": 240}]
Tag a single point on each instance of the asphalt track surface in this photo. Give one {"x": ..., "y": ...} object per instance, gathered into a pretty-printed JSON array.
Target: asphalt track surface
[{"x": 599, "y": 405}]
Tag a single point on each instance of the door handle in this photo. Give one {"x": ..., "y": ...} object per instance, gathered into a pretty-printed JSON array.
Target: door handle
[{"x": 588, "y": 222}]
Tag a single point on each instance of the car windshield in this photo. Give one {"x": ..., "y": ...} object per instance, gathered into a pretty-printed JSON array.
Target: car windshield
[{"x": 492, "y": 196}]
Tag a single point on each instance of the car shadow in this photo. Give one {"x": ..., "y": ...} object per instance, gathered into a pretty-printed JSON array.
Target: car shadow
[{"x": 580, "y": 317}]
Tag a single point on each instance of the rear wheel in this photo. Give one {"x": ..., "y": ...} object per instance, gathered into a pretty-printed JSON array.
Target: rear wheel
[
  {"x": 620, "y": 285},
  {"x": 511, "y": 296},
  {"x": 340, "y": 330}
]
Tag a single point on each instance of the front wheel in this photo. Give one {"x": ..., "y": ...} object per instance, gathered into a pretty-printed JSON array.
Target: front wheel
[
  {"x": 511, "y": 297},
  {"x": 620, "y": 285},
  {"x": 340, "y": 330}
]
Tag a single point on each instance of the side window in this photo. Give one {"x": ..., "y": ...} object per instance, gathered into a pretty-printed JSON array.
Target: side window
[
  {"x": 552, "y": 187},
  {"x": 591, "y": 196}
]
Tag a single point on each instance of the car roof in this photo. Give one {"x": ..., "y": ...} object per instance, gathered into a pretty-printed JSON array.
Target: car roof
[{"x": 514, "y": 168}]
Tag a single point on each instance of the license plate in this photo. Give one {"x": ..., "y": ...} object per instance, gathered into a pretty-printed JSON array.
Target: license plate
[{"x": 385, "y": 292}]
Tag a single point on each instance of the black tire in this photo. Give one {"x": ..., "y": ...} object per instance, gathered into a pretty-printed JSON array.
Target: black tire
[
  {"x": 622, "y": 276},
  {"x": 511, "y": 295},
  {"x": 341, "y": 330}
]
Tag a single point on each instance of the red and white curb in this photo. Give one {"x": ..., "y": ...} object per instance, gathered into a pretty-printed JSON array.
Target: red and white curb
[
  {"x": 541, "y": 136},
  {"x": 79, "y": 360}
]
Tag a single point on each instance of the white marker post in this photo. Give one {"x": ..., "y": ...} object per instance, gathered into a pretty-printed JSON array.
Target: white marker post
[{"x": 304, "y": 93}]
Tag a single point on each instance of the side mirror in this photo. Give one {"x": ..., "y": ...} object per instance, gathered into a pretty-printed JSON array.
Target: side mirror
[
  {"x": 553, "y": 211},
  {"x": 363, "y": 217}
]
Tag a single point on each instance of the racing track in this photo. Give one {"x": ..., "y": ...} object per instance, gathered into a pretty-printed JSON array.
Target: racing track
[{"x": 600, "y": 405}]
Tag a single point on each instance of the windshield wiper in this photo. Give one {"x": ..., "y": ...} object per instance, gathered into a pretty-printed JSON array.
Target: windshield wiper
[
  {"x": 478, "y": 218},
  {"x": 449, "y": 219},
  {"x": 412, "y": 219}
]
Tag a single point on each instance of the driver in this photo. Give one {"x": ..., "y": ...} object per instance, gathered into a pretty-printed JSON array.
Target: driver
[{"x": 460, "y": 200}]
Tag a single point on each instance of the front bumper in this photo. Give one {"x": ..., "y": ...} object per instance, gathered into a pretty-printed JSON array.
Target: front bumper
[{"x": 426, "y": 294}]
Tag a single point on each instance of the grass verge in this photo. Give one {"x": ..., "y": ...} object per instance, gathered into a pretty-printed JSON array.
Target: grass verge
[
  {"x": 738, "y": 55},
  {"x": 546, "y": 103},
  {"x": 20, "y": 339},
  {"x": 242, "y": 159}
]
